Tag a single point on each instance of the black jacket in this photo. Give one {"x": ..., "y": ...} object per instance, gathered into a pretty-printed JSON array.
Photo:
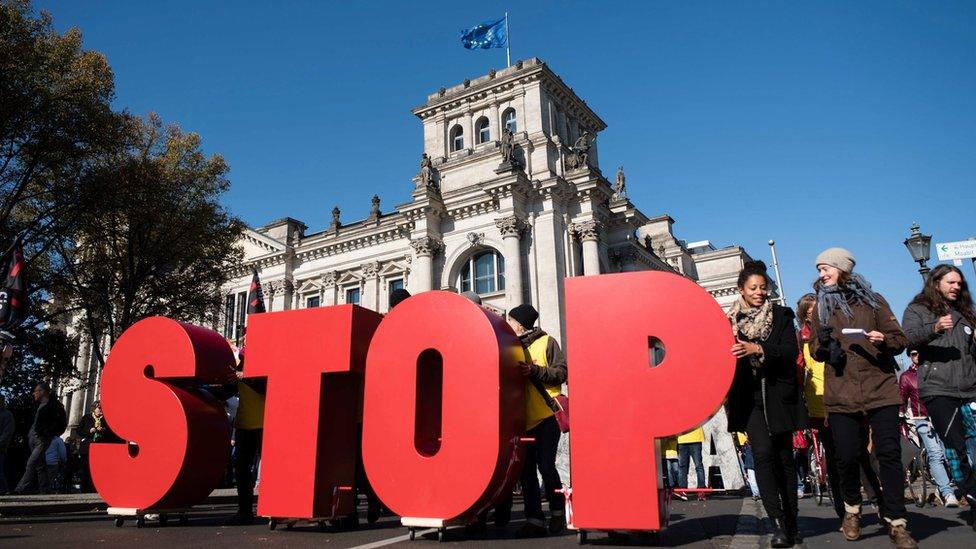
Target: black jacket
[
  {"x": 50, "y": 420},
  {"x": 785, "y": 409},
  {"x": 947, "y": 360}
]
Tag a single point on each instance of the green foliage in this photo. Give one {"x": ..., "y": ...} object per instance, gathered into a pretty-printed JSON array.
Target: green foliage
[{"x": 122, "y": 214}]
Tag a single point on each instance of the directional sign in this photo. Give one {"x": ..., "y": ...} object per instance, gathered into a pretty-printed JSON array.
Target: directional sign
[{"x": 963, "y": 249}]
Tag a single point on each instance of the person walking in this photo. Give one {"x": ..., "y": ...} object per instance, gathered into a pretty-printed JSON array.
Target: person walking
[
  {"x": 765, "y": 399},
  {"x": 917, "y": 416},
  {"x": 690, "y": 449},
  {"x": 670, "y": 448},
  {"x": 50, "y": 421},
  {"x": 860, "y": 383},
  {"x": 813, "y": 392},
  {"x": 940, "y": 323},
  {"x": 6, "y": 435},
  {"x": 545, "y": 372}
]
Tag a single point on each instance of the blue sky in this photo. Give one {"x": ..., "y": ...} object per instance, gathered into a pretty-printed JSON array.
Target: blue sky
[{"x": 815, "y": 123}]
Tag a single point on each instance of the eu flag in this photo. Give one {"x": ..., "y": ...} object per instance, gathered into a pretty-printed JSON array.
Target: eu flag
[{"x": 490, "y": 34}]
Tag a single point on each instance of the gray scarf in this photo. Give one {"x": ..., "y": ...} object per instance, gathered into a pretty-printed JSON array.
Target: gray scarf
[{"x": 832, "y": 298}]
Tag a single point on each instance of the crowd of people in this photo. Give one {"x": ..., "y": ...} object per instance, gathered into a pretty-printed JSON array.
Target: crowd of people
[
  {"x": 827, "y": 373},
  {"x": 848, "y": 392}
]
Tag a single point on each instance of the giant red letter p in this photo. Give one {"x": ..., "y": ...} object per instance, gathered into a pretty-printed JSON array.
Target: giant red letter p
[{"x": 611, "y": 321}]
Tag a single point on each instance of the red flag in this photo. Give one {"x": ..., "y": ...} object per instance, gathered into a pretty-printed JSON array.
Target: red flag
[
  {"x": 255, "y": 297},
  {"x": 13, "y": 292}
]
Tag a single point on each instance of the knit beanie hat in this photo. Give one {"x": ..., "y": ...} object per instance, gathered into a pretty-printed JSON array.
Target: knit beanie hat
[
  {"x": 398, "y": 295},
  {"x": 524, "y": 314},
  {"x": 472, "y": 297},
  {"x": 836, "y": 257}
]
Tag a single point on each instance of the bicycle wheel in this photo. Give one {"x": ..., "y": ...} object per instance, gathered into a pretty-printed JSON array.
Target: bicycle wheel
[{"x": 815, "y": 476}]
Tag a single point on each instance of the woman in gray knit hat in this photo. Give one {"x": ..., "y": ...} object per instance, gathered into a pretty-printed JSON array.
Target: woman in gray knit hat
[{"x": 858, "y": 337}]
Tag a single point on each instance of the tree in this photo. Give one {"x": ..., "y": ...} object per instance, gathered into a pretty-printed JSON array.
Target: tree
[
  {"x": 55, "y": 121},
  {"x": 153, "y": 238}
]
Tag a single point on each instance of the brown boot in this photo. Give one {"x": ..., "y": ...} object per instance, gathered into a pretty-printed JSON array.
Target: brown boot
[
  {"x": 901, "y": 538},
  {"x": 851, "y": 526}
]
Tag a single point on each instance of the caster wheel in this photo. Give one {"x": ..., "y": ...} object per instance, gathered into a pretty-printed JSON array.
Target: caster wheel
[
  {"x": 272, "y": 524},
  {"x": 440, "y": 535},
  {"x": 163, "y": 519},
  {"x": 581, "y": 537},
  {"x": 119, "y": 522},
  {"x": 141, "y": 522},
  {"x": 184, "y": 519},
  {"x": 413, "y": 533}
]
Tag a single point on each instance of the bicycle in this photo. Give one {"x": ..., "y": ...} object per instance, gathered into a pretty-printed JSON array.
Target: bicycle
[
  {"x": 817, "y": 476},
  {"x": 917, "y": 465}
]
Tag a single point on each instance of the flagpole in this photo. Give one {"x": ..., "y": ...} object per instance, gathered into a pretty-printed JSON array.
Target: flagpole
[{"x": 508, "y": 43}]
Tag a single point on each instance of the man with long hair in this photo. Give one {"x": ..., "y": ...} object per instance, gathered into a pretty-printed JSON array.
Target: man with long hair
[{"x": 940, "y": 323}]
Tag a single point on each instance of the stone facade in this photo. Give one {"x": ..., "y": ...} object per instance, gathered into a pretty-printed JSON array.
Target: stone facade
[{"x": 510, "y": 230}]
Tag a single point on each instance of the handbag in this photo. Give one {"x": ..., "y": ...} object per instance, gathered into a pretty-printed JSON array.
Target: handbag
[{"x": 559, "y": 405}]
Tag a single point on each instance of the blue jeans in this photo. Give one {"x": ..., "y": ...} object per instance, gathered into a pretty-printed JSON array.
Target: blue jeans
[
  {"x": 693, "y": 451},
  {"x": 674, "y": 472},
  {"x": 933, "y": 445}
]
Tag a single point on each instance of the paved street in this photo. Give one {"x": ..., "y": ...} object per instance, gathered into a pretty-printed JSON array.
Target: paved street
[{"x": 721, "y": 522}]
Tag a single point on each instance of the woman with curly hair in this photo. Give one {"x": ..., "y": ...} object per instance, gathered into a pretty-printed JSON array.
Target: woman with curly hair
[{"x": 765, "y": 399}]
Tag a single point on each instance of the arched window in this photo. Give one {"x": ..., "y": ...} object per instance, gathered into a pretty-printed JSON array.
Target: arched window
[
  {"x": 508, "y": 118},
  {"x": 482, "y": 131},
  {"x": 483, "y": 273},
  {"x": 457, "y": 138}
]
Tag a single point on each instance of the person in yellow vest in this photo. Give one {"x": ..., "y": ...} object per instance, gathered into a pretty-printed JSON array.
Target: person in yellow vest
[
  {"x": 690, "y": 449},
  {"x": 248, "y": 428},
  {"x": 748, "y": 463},
  {"x": 670, "y": 448},
  {"x": 545, "y": 372}
]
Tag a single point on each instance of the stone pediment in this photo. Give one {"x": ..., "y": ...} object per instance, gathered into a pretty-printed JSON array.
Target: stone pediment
[
  {"x": 309, "y": 285},
  {"x": 257, "y": 245},
  {"x": 349, "y": 277}
]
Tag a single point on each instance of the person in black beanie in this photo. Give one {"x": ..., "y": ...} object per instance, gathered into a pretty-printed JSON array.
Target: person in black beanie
[{"x": 545, "y": 372}]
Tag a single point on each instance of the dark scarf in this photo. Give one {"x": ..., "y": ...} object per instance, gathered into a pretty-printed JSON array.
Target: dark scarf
[{"x": 834, "y": 297}]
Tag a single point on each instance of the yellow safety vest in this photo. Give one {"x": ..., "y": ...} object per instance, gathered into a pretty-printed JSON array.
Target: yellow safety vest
[
  {"x": 536, "y": 409},
  {"x": 695, "y": 435},
  {"x": 814, "y": 387},
  {"x": 250, "y": 408}
]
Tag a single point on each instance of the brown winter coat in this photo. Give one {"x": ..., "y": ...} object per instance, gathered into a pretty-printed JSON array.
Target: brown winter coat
[{"x": 867, "y": 377}]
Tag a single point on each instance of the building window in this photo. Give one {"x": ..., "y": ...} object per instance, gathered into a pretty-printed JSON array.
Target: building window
[
  {"x": 457, "y": 138},
  {"x": 394, "y": 285},
  {"x": 313, "y": 301},
  {"x": 241, "y": 318},
  {"x": 484, "y": 273},
  {"x": 352, "y": 296},
  {"x": 482, "y": 131},
  {"x": 508, "y": 118},
  {"x": 229, "y": 317}
]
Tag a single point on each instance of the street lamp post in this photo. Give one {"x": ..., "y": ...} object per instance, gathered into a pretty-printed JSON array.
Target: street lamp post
[{"x": 920, "y": 246}]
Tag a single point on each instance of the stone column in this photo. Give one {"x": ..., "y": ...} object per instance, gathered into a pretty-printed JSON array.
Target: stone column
[
  {"x": 328, "y": 288},
  {"x": 422, "y": 268},
  {"x": 468, "y": 131},
  {"x": 494, "y": 124},
  {"x": 589, "y": 234},
  {"x": 77, "y": 410},
  {"x": 511, "y": 228},
  {"x": 371, "y": 298}
]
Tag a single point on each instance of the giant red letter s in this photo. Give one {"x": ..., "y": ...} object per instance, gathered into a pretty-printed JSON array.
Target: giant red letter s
[
  {"x": 181, "y": 435},
  {"x": 621, "y": 404},
  {"x": 313, "y": 359},
  {"x": 444, "y": 407}
]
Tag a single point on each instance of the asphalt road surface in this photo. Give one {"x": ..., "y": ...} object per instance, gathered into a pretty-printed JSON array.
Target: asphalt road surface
[{"x": 721, "y": 522}]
